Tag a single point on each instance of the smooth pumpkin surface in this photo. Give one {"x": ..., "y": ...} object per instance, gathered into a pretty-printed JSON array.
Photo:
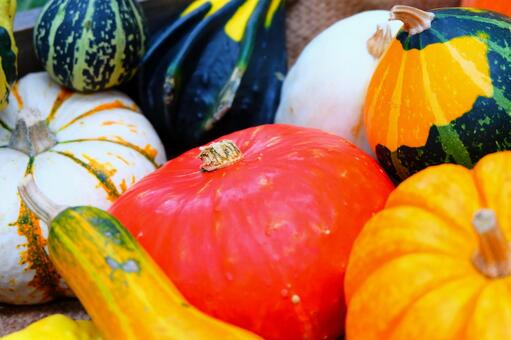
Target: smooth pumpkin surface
[
  {"x": 501, "y": 6},
  {"x": 262, "y": 243},
  {"x": 82, "y": 149},
  {"x": 442, "y": 95},
  {"x": 411, "y": 274}
]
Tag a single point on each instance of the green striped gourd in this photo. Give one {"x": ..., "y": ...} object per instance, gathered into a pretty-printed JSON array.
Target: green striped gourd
[
  {"x": 83, "y": 149},
  {"x": 442, "y": 91},
  {"x": 8, "y": 50},
  {"x": 90, "y": 45},
  {"x": 217, "y": 68}
]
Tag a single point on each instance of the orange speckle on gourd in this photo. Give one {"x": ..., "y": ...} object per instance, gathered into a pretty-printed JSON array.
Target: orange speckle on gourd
[{"x": 123, "y": 185}]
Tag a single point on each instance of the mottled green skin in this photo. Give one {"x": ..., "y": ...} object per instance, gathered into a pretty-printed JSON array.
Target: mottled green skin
[
  {"x": 90, "y": 45},
  {"x": 484, "y": 129}
]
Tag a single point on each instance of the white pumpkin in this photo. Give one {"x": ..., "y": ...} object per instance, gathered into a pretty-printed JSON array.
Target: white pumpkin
[
  {"x": 326, "y": 87},
  {"x": 83, "y": 149}
]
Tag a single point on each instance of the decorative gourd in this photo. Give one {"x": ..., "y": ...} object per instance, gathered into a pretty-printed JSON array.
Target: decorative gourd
[
  {"x": 123, "y": 290},
  {"x": 442, "y": 91},
  {"x": 82, "y": 149},
  {"x": 59, "y": 327},
  {"x": 90, "y": 45},
  {"x": 501, "y": 6},
  {"x": 436, "y": 263},
  {"x": 216, "y": 69},
  {"x": 326, "y": 87},
  {"x": 260, "y": 237},
  {"x": 8, "y": 50}
]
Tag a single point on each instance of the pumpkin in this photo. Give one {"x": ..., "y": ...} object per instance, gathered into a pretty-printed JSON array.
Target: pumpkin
[
  {"x": 90, "y": 45},
  {"x": 260, "y": 236},
  {"x": 326, "y": 87},
  {"x": 121, "y": 287},
  {"x": 8, "y": 50},
  {"x": 435, "y": 263},
  {"x": 82, "y": 149},
  {"x": 442, "y": 91},
  {"x": 216, "y": 69},
  {"x": 501, "y": 6},
  {"x": 57, "y": 326}
]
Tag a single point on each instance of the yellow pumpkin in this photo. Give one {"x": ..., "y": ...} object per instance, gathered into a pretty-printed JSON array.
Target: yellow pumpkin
[{"x": 435, "y": 263}]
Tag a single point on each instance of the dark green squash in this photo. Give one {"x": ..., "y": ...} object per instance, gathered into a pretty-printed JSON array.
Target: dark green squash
[
  {"x": 90, "y": 45},
  {"x": 217, "y": 68}
]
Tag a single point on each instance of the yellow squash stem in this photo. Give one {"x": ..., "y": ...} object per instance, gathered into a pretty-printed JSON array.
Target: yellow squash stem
[
  {"x": 414, "y": 20},
  {"x": 493, "y": 258}
]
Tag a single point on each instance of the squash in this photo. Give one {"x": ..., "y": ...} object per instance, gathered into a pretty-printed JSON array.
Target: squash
[
  {"x": 260, "y": 236},
  {"x": 123, "y": 290},
  {"x": 90, "y": 45},
  {"x": 501, "y": 6},
  {"x": 82, "y": 149},
  {"x": 442, "y": 91},
  {"x": 216, "y": 69},
  {"x": 436, "y": 263},
  {"x": 326, "y": 87},
  {"x": 57, "y": 326},
  {"x": 8, "y": 50}
]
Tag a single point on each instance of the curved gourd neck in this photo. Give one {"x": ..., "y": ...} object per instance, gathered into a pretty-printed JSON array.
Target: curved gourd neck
[
  {"x": 414, "y": 20},
  {"x": 493, "y": 258},
  {"x": 31, "y": 136},
  {"x": 219, "y": 155}
]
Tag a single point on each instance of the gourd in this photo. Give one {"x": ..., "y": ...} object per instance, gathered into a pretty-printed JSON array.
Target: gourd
[
  {"x": 57, "y": 326},
  {"x": 216, "y": 69},
  {"x": 260, "y": 236},
  {"x": 326, "y": 87},
  {"x": 442, "y": 92},
  {"x": 501, "y": 6},
  {"x": 435, "y": 263},
  {"x": 123, "y": 290},
  {"x": 90, "y": 45},
  {"x": 8, "y": 50},
  {"x": 82, "y": 149}
]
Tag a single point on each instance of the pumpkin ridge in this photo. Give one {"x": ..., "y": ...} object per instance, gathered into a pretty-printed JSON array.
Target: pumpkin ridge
[
  {"x": 103, "y": 177},
  {"x": 62, "y": 96},
  {"x": 4, "y": 126},
  {"x": 470, "y": 310}
]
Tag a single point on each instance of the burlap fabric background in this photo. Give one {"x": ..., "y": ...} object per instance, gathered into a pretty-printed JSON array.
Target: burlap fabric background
[{"x": 306, "y": 18}]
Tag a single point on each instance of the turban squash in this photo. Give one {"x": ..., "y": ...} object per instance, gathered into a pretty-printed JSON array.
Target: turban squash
[
  {"x": 442, "y": 91},
  {"x": 436, "y": 263}
]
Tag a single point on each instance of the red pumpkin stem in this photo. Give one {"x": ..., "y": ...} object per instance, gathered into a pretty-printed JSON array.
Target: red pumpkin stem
[
  {"x": 44, "y": 208},
  {"x": 415, "y": 20},
  {"x": 379, "y": 42},
  {"x": 219, "y": 155},
  {"x": 494, "y": 256}
]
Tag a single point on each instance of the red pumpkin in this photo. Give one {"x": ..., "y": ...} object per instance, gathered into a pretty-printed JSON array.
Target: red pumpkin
[
  {"x": 501, "y": 6},
  {"x": 263, "y": 242}
]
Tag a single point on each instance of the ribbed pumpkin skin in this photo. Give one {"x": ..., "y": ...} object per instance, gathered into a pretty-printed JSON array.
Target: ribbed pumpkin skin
[
  {"x": 90, "y": 45},
  {"x": 443, "y": 95},
  {"x": 262, "y": 243},
  {"x": 501, "y": 6},
  {"x": 8, "y": 50},
  {"x": 123, "y": 290}
]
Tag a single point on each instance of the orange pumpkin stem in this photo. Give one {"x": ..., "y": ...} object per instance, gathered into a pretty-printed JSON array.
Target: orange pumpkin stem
[
  {"x": 415, "y": 20},
  {"x": 219, "y": 155},
  {"x": 494, "y": 256},
  {"x": 379, "y": 42},
  {"x": 45, "y": 209}
]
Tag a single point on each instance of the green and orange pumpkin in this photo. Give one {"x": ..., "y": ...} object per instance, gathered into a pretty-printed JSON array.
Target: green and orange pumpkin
[{"x": 442, "y": 91}]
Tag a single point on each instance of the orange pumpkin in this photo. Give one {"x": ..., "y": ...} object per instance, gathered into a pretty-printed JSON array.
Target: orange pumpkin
[
  {"x": 502, "y": 6},
  {"x": 435, "y": 263}
]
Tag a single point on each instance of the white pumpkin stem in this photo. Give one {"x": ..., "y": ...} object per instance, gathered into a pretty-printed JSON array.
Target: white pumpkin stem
[
  {"x": 219, "y": 155},
  {"x": 33, "y": 139},
  {"x": 44, "y": 208},
  {"x": 415, "y": 20},
  {"x": 493, "y": 258},
  {"x": 380, "y": 41}
]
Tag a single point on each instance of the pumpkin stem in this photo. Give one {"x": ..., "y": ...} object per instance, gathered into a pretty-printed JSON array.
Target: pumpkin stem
[
  {"x": 44, "y": 208},
  {"x": 415, "y": 20},
  {"x": 218, "y": 155},
  {"x": 379, "y": 42},
  {"x": 494, "y": 257},
  {"x": 32, "y": 140}
]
